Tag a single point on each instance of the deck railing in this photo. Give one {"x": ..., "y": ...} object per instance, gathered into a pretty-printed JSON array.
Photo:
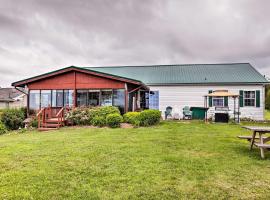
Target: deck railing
[{"x": 52, "y": 113}]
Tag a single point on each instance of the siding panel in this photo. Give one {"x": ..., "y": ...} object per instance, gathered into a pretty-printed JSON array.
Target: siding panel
[{"x": 180, "y": 96}]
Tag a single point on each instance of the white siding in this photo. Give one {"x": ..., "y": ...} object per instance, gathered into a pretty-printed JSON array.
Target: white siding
[{"x": 180, "y": 96}]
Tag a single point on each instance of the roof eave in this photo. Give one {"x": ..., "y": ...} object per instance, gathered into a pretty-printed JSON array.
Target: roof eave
[
  {"x": 24, "y": 82},
  {"x": 211, "y": 83}
]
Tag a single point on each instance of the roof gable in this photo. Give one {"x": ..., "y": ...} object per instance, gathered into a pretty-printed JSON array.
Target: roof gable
[{"x": 24, "y": 82}]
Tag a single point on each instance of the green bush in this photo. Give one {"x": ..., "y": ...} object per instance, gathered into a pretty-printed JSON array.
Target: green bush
[
  {"x": 78, "y": 116},
  {"x": 34, "y": 123},
  {"x": 132, "y": 118},
  {"x": 3, "y": 129},
  {"x": 13, "y": 118},
  {"x": 114, "y": 120},
  {"x": 149, "y": 117},
  {"x": 102, "y": 111},
  {"x": 98, "y": 121}
]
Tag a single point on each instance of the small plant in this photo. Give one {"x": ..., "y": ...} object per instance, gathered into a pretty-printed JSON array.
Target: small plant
[
  {"x": 33, "y": 123},
  {"x": 102, "y": 111},
  {"x": 13, "y": 118},
  {"x": 98, "y": 121},
  {"x": 132, "y": 118},
  {"x": 78, "y": 116},
  {"x": 149, "y": 117},
  {"x": 114, "y": 120},
  {"x": 3, "y": 129}
]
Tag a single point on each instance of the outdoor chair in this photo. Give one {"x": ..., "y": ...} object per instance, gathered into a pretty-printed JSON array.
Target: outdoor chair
[
  {"x": 187, "y": 114},
  {"x": 168, "y": 112}
]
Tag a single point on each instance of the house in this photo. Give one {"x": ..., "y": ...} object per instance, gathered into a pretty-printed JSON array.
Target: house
[
  {"x": 12, "y": 98},
  {"x": 156, "y": 87}
]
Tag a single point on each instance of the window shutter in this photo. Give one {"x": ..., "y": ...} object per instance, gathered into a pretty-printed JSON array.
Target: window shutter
[
  {"x": 210, "y": 99},
  {"x": 225, "y": 101},
  {"x": 241, "y": 98},
  {"x": 258, "y": 102}
]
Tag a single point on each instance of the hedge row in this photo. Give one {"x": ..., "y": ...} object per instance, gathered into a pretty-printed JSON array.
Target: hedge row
[
  {"x": 97, "y": 116},
  {"x": 110, "y": 116},
  {"x": 144, "y": 118}
]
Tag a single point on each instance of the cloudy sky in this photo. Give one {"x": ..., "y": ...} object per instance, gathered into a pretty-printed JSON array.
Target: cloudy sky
[{"x": 37, "y": 36}]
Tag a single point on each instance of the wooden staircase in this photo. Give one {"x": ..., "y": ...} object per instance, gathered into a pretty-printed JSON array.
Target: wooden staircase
[{"x": 51, "y": 118}]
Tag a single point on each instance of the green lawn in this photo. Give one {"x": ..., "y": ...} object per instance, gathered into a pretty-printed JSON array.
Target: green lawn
[
  {"x": 171, "y": 161},
  {"x": 267, "y": 114}
]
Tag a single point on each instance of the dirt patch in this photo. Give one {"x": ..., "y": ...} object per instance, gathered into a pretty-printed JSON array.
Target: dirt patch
[{"x": 126, "y": 125}]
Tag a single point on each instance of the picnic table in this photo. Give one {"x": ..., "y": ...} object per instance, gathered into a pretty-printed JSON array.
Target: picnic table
[{"x": 261, "y": 139}]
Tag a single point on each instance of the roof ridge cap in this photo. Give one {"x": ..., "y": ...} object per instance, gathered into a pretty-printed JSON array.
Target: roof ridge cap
[{"x": 123, "y": 66}]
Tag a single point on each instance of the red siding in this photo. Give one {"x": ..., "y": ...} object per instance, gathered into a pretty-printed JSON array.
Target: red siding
[
  {"x": 83, "y": 81},
  {"x": 90, "y": 81}
]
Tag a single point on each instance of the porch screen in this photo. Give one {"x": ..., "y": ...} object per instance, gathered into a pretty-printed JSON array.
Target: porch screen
[
  {"x": 57, "y": 98},
  {"x": 82, "y": 96},
  {"x": 93, "y": 98},
  {"x": 34, "y": 99},
  {"x": 46, "y": 98},
  {"x": 119, "y": 99},
  {"x": 68, "y": 98},
  {"x": 106, "y": 98}
]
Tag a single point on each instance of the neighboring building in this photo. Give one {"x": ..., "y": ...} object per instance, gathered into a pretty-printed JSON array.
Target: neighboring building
[
  {"x": 155, "y": 87},
  {"x": 12, "y": 98}
]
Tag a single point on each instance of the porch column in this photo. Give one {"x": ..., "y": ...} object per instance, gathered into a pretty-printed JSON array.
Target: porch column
[
  {"x": 75, "y": 92},
  {"x": 126, "y": 98},
  {"x": 138, "y": 99}
]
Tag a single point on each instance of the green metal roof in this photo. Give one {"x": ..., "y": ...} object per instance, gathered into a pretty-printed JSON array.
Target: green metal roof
[{"x": 187, "y": 74}]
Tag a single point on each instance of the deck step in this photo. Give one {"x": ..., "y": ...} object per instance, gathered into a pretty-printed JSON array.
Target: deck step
[
  {"x": 50, "y": 125},
  {"x": 54, "y": 120},
  {"x": 47, "y": 129}
]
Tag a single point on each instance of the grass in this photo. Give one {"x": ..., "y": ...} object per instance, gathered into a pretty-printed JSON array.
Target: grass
[
  {"x": 267, "y": 115},
  {"x": 171, "y": 161}
]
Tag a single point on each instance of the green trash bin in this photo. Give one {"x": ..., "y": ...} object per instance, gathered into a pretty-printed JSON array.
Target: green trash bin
[{"x": 198, "y": 112}]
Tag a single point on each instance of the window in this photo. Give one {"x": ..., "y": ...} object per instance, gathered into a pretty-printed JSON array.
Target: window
[
  {"x": 68, "y": 98},
  {"x": 106, "y": 98},
  {"x": 249, "y": 98},
  {"x": 82, "y": 97},
  {"x": 34, "y": 99},
  {"x": 45, "y": 98},
  {"x": 119, "y": 99},
  {"x": 154, "y": 100},
  {"x": 218, "y": 101},
  {"x": 93, "y": 98}
]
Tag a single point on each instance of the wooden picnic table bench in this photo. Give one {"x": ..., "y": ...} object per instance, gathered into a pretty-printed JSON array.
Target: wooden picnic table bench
[{"x": 261, "y": 139}]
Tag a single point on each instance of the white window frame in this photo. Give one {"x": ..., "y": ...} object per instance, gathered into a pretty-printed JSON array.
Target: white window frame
[
  {"x": 244, "y": 104},
  {"x": 219, "y": 106}
]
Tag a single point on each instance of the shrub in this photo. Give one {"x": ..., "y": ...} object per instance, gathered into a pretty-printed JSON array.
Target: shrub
[
  {"x": 33, "y": 123},
  {"x": 13, "y": 118},
  {"x": 132, "y": 118},
  {"x": 78, "y": 116},
  {"x": 114, "y": 120},
  {"x": 102, "y": 111},
  {"x": 98, "y": 121},
  {"x": 3, "y": 129},
  {"x": 149, "y": 117}
]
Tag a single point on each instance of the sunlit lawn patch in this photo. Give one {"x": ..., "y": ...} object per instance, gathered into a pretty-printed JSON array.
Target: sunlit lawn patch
[{"x": 170, "y": 161}]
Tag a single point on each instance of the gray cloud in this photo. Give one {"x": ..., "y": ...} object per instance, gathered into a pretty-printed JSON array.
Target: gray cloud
[{"x": 37, "y": 36}]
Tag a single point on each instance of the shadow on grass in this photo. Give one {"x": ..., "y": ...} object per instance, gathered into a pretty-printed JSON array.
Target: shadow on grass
[{"x": 245, "y": 152}]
